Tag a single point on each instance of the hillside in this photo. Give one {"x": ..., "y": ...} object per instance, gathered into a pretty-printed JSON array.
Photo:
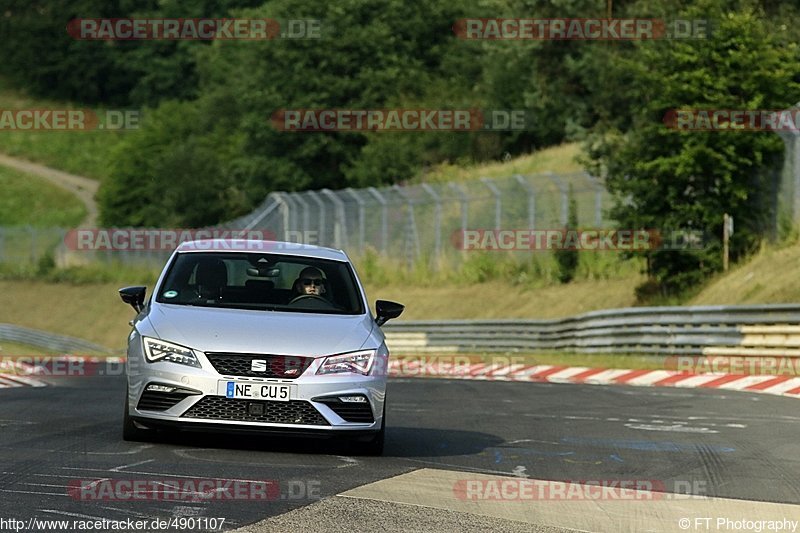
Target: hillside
[
  {"x": 768, "y": 277},
  {"x": 85, "y": 153},
  {"x": 28, "y": 200},
  {"x": 559, "y": 159}
]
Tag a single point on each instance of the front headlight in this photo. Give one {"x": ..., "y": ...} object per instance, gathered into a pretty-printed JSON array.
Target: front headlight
[
  {"x": 157, "y": 350},
  {"x": 354, "y": 362}
]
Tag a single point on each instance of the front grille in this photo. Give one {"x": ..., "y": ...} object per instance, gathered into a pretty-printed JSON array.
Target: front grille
[
  {"x": 160, "y": 401},
  {"x": 291, "y": 412},
  {"x": 277, "y": 366},
  {"x": 352, "y": 412}
]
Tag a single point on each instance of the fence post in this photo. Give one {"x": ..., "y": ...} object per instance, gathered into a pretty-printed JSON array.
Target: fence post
[
  {"x": 340, "y": 227},
  {"x": 498, "y": 207},
  {"x": 384, "y": 221},
  {"x": 412, "y": 226},
  {"x": 531, "y": 200},
  {"x": 292, "y": 211},
  {"x": 465, "y": 199},
  {"x": 598, "y": 198},
  {"x": 32, "y": 231},
  {"x": 261, "y": 216},
  {"x": 788, "y": 190},
  {"x": 298, "y": 198},
  {"x": 314, "y": 196},
  {"x": 361, "y": 217},
  {"x": 437, "y": 224},
  {"x": 280, "y": 198},
  {"x": 564, "y": 196}
]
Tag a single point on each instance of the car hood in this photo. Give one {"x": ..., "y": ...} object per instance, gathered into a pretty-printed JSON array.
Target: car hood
[{"x": 267, "y": 332}]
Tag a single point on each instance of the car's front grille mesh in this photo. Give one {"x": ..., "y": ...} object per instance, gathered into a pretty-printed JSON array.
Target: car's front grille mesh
[
  {"x": 350, "y": 411},
  {"x": 291, "y": 412},
  {"x": 160, "y": 401},
  {"x": 275, "y": 366}
]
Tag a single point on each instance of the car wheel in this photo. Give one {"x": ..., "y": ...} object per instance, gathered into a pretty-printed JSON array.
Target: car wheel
[
  {"x": 130, "y": 432},
  {"x": 374, "y": 446}
]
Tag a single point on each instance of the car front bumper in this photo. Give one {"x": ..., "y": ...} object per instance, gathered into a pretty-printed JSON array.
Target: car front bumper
[{"x": 313, "y": 408}]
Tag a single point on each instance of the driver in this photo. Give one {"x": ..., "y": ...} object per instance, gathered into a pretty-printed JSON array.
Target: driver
[{"x": 311, "y": 282}]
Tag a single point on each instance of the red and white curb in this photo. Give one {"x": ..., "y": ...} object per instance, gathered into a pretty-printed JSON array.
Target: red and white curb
[
  {"x": 28, "y": 371},
  {"x": 10, "y": 377},
  {"x": 767, "y": 384}
]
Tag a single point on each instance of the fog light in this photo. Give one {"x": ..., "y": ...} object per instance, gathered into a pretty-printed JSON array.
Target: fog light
[
  {"x": 160, "y": 388},
  {"x": 353, "y": 399}
]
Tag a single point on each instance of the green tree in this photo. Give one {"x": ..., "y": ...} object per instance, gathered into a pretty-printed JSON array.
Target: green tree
[
  {"x": 667, "y": 179},
  {"x": 567, "y": 258}
]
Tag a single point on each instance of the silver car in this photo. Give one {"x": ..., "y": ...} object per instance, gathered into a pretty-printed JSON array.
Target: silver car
[{"x": 254, "y": 336}]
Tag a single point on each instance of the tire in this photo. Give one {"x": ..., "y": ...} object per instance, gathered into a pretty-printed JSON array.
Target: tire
[
  {"x": 130, "y": 432},
  {"x": 374, "y": 446}
]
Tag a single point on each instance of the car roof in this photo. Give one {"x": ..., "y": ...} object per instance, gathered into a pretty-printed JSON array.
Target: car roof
[{"x": 259, "y": 246}]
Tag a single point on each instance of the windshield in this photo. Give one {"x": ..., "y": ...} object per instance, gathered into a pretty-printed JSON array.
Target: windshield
[{"x": 261, "y": 281}]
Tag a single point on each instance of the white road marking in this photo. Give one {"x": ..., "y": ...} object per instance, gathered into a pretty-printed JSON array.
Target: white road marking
[
  {"x": 76, "y": 515},
  {"x": 181, "y": 476},
  {"x": 349, "y": 461},
  {"x": 34, "y": 492},
  {"x": 134, "y": 451},
  {"x": 119, "y": 468},
  {"x": 677, "y": 428},
  {"x": 519, "y": 471},
  {"x": 180, "y": 511}
]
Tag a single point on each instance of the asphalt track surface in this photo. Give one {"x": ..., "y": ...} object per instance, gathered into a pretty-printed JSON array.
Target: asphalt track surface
[{"x": 715, "y": 443}]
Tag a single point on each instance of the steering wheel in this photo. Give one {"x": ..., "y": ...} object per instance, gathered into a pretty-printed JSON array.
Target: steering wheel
[{"x": 305, "y": 296}]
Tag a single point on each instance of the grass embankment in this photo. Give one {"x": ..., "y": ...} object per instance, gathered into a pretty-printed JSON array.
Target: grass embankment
[
  {"x": 768, "y": 277},
  {"x": 556, "y": 159},
  {"x": 28, "y": 200},
  {"x": 85, "y": 153}
]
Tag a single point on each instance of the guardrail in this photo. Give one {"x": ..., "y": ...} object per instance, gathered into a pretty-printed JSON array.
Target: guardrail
[
  {"x": 50, "y": 341},
  {"x": 711, "y": 330},
  {"x": 732, "y": 330}
]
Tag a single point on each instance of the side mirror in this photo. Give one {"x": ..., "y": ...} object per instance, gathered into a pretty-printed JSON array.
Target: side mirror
[
  {"x": 387, "y": 310},
  {"x": 134, "y": 296}
]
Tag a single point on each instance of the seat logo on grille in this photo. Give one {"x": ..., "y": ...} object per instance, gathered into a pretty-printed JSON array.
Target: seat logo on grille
[{"x": 258, "y": 365}]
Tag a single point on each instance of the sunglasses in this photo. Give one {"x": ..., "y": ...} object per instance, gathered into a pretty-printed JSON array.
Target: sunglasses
[{"x": 316, "y": 282}]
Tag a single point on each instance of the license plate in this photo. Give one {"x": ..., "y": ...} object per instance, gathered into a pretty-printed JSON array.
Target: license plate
[{"x": 255, "y": 391}]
